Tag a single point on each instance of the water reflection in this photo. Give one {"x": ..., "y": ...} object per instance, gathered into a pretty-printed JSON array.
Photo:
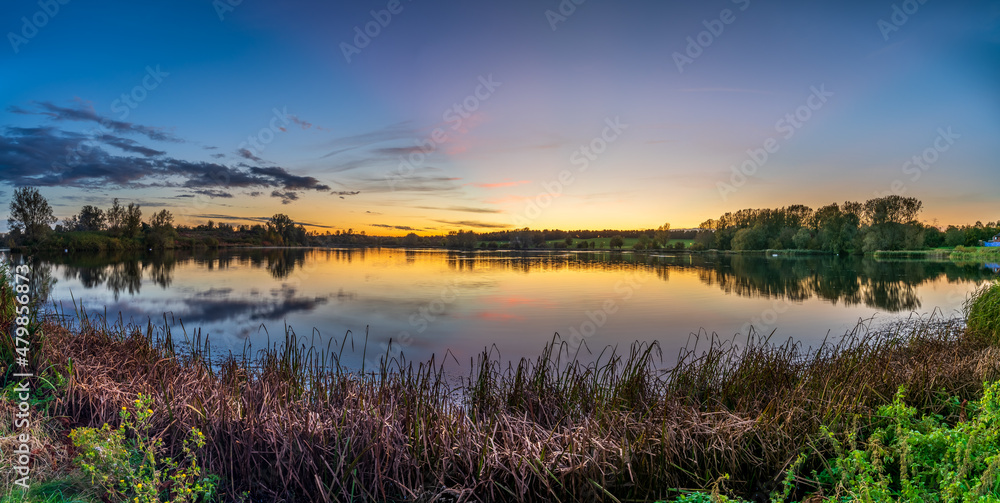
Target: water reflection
[{"x": 885, "y": 285}]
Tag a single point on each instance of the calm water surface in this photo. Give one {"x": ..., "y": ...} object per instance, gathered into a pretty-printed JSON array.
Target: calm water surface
[{"x": 430, "y": 301}]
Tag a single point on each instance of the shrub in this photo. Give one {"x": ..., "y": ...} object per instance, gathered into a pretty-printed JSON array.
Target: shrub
[
  {"x": 982, "y": 313},
  {"x": 126, "y": 462},
  {"x": 914, "y": 459}
]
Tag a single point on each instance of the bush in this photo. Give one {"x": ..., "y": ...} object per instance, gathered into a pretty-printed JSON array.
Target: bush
[
  {"x": 925, "y": 459},
  {"x": 126, "y": 462},
  {"x": 982, "y": 313}
]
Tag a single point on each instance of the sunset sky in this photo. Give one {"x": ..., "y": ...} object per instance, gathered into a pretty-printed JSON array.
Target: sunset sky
[{"x": 451, "y": 115}]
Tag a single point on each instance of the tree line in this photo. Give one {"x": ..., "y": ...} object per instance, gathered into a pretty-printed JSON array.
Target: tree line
[
  {"x": 881, "y": 224},
  {"x": 122, "y": 227}
]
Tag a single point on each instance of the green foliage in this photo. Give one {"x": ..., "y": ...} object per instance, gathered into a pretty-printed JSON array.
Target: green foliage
[
  {"x": 922, "y": 459},
  {"x": 982, "y": 313},
  {"x": 126, "y": 461},
  {"x": 30, "y": 216}
]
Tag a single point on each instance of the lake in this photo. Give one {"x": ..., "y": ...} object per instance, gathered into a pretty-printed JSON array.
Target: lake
[{"x": 433, "y": 301}]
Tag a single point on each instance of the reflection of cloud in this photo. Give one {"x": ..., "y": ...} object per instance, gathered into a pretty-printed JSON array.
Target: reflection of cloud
[{"x": 215, "y": 305}]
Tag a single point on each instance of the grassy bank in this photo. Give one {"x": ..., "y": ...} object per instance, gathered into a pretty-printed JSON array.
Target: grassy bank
[
  {"x": 970, "y": 254},
  {"x": 747, "y": 420}
]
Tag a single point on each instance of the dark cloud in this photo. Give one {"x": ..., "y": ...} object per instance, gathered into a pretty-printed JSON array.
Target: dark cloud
[
  {"x": 400, "y": 227},
  {"x": 218, "y": 156},
  {"x": 286, "y": 197},
  {"x": 213, "y": 193},
  {"x": 45, "y": 156},
  {"x": 346, "y": 192},
  {"x": 290, "y": 181},
  {"x": 130, "y": 146},
  {"x": 247, "y": 154},
  {"x": 84, "y": 112}
]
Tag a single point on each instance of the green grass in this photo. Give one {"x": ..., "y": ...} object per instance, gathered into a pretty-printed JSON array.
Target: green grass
[
  {"x": 983, "y": 313},
  {"x": 73, "y": 489},
  {"x": 981, "y": 253}
]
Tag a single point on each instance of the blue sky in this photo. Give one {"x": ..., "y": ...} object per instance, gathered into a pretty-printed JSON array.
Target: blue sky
[{"x": 258, "y": 111}]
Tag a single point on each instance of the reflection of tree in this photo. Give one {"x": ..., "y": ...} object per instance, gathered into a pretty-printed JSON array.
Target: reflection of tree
[
  {"x": 161, "y": 268},
  {"x": 125, "y": 276},
  {"x": 282, "y": 262},
  {"x": 889, "y": 286},
  {"x": 119, "y": 274}
]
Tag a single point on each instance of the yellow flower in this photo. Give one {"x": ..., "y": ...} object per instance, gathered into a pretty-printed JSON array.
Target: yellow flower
[
  {"x": 149, "y": 411},
  {"x": 124, "y": 408},
  {"x": 139, "y": 486}
]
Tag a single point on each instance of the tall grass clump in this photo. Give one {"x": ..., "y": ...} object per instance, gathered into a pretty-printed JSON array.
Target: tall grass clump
[{"x": 983, "y": 313}]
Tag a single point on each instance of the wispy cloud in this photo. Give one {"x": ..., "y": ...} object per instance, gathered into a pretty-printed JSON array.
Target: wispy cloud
[
  {"x": 474, "y": 224},
  {"x": 498, "y": 185},
  {"x": 466, "y": 209},
  {"x": 398, "y": 227},
  {"x": 83, "y": 111}
]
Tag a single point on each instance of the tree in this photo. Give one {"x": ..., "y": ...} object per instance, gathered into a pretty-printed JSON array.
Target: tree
[
  {"x": 617, "y": 242},
  {"x": 116, "y": 217},
  {"x": 282, "y": 230},
  {"x": 161, "y": 230},
  {"x": 91, "y": 219},
  {"x": 132, "y": 222},
  {"x": 663, "y": 234},
  {"x": 749, "y": 239},
  {"x": 30, "y": 215}
]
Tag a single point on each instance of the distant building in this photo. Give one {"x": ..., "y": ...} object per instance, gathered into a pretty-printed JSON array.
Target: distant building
[
  {"x": 993, "y": 267},
  {"x": 993, "y": 242}
]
